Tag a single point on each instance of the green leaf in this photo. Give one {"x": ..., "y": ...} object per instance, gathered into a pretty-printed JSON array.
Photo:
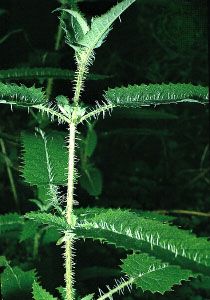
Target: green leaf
[
  {"x": 144, "y": 95},
  {"x": 21, "y": 95},
  {"x": 132, "y": 232},
  {"x": 39, "y": 293},
  {"x": 11, "y": 221},
  {"x": 91, "y": 180},
  {"x": 100, "y": 26},
  {"x": 3, "y": 261},
  {"x": 16, "y": 284},
  {"x": 90, "y": 141},
  {"x": 29, "y": 230},
  {"x": 79, "y": 26},
  {"x": 151, "y": 274},
  {"x": 48, "y": 219},
  {"x": 43, "y": 73},
  {"x": 45, "y": 158}
]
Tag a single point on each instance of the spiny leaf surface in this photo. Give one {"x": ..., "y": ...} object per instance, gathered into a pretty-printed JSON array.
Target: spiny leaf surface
[
  {"x": 21, "y": 95},
  {"x": 133, "y": 232},
  {"x": 144, "y": 95},
  {"x": 100, "y": 26}
]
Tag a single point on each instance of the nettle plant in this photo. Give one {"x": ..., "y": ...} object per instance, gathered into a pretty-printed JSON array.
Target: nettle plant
[{"x": 163, "y": 255}]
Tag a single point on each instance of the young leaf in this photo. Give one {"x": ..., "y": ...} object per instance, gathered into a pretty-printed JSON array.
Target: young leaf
[
  {"x": 100, "y": 26},
  {"x": 151, "y": 274},
  {"x": 91, "y": 180},
  {"x": 45, "y": 158},
  {"x": 78, "y": 29},
  {"x": 48, "y": 219},
  {"x": 39, "y": 293},
  {"x": 144, "y": 95},
  {"x": 15, "y": 283},
  {"x": 21, "y": 95}
]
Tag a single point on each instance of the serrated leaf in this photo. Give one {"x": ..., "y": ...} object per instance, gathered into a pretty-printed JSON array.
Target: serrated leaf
[
  {"x": 79, "y": 26},
  {"x": 11, "y": 221},
  {"x": 39, "y": 293},
  {"x": 100, "y": 26},
  {"x": 16, "y": 284},
  {"x": 28, "y": 231},
  {"x": 151, "y": 274},
  {"x": 48, "y": 219},
  {"x": 21, "y": 95},
  {"x": 43, "y": 73},
  {"x": 45, "y": 158},
  {"x": 128, "y": 230},
  {"x": 155, "y": 94},
  {"x": 91, "y": 180}
]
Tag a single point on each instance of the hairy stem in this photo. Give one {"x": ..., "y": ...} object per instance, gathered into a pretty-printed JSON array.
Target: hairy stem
[
  {"x": 82, "y": 69},
  {"x": 117, "y": 289},
  {"x": 69, "y": 210}
]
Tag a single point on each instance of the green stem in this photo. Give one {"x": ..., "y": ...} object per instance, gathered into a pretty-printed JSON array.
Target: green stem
[
  {"x": 118, "y": 288},
  {"x": 9, "y": 172},
  {"x": 69, "y": 210}
]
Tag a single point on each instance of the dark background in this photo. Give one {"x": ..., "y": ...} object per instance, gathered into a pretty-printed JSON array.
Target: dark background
[{"x": 163, "y": 166}]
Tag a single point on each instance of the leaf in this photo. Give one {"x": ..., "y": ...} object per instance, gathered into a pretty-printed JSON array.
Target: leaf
[
  {"x": 79, "y": 26},
  {"x": 29, "y": 230},
  {"x": 91, "y": 180},
  {"x": 15, "y": 283},
  {"x": 48, "y": 219},
  {"x": 151, "y": 274},
  {"x": 144, "y": 95},
  {"x": 90, "y": 141},
  {"x": 21, "y": 95},
  {"x": 3, "y": 261},
  {"x": 39, "y": 293},
  {"x": 11, "y": 221},
  {"x": 100, "y": 26},
  {"x": 45, "y": 158},
  {"x": 126, "y": 229},
  {"x": 43, "y": 73}
]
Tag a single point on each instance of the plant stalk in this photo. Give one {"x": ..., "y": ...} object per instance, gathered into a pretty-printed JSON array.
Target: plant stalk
[{"x": 69, "y": 210}]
